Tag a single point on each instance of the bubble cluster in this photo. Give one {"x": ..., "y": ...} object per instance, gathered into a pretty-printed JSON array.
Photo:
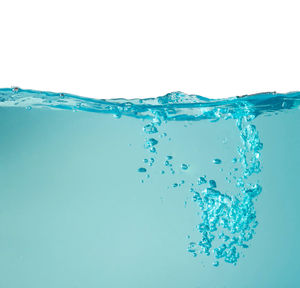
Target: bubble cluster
[
  {"x": 228, "y": 220},
  {"x": 231, "y": 219},
  {"x": 250, "y": 149}
]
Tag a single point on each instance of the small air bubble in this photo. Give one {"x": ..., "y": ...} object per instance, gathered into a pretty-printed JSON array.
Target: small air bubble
[
  {"x": 201, "y": 180},
  {"x": 152, "y": 142},
  {"x": 217, "y": 161},
  {"x": 192, "y": 247},
  {"x": 150, "y": 129},
  {"x": 151, "y": 161},
  {"x": 212, "y": 183},
  {"x": 216, "y": 263},
  {"x": 184, "y": 166},
  {"x": 162, "y": 135},
  {"x": 152, "y": 150},
  {"x": 117, "y": 116}
]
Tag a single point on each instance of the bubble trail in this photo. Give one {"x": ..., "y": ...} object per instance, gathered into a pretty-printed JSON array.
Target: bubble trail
[{"x": 227, "y": 217}]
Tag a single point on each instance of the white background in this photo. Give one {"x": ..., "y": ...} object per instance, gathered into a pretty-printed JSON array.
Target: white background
[{"x": 136, "y": 48}]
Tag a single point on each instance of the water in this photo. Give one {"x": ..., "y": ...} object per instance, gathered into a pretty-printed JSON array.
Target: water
[{"x": 174, "y": 191}]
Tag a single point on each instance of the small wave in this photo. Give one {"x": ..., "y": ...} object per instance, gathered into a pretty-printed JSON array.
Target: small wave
[{"x": 172, "y": 106}]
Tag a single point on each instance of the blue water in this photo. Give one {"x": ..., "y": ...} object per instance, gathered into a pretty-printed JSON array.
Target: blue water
[{"x": 173, "y": 191}]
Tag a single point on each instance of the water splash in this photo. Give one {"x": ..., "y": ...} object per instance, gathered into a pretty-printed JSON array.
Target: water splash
[
  {"x": 229, "y": 218},
  {"x": 176, "y": 106}
]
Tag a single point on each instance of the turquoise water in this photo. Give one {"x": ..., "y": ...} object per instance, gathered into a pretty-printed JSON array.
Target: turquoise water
[{"x": 174, "y": 191}]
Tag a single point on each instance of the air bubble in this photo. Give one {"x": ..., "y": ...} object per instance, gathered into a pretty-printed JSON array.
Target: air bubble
[
  {"x": 152, "y": 149},
  {"x": 216, "y": 263},
  {"x": 117, "y": 115},
  {"x": 152, "y": 142},
  {"x": 212, "y": 183},
  {"x": 192, "y": 247},
  {"x": 184, "y": 166},
  {"x": 201, "y": 180},
  {"x": 217, "y": 161},
  {"x": 162, "y": 135},
  {"x": 150, "y": 129}
]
